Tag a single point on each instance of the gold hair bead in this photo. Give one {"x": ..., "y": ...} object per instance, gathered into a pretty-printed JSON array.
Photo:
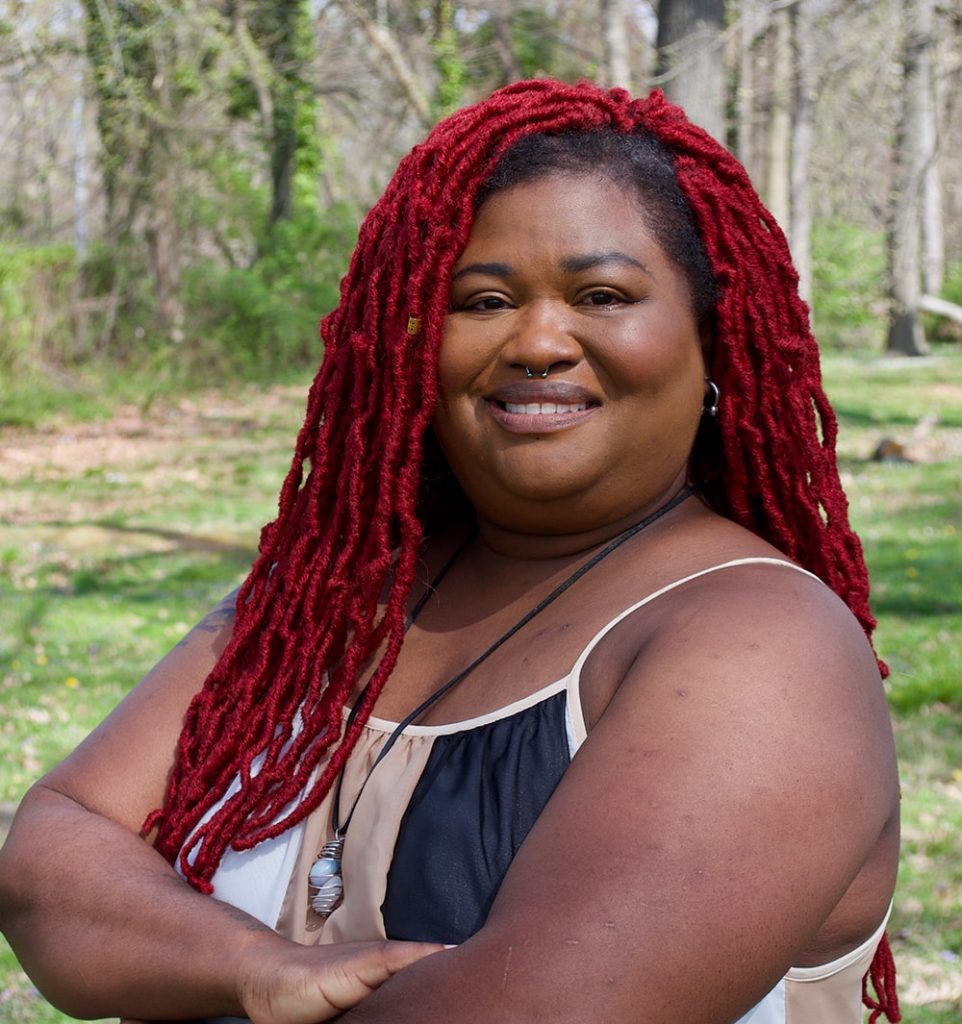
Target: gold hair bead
[{"x": 414, "y": 325}]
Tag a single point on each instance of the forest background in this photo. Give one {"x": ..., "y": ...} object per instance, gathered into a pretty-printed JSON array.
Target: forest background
[{"x": 180, "y": 187}]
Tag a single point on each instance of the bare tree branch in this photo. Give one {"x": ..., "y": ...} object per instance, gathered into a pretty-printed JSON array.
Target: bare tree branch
[{"x": 384, "y": 42}]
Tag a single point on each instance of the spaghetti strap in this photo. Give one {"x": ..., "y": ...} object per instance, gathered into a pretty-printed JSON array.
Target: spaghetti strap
[{"x": 578, "y": 725}]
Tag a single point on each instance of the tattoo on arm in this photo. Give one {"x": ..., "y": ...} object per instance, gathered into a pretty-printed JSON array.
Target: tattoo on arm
[
  {"x": 250, "y": 924},
  {"x": 215, "y": 621}
]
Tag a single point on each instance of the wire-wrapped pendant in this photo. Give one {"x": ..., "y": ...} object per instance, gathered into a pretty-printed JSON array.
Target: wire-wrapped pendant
[{"x": 325, "y": 878}]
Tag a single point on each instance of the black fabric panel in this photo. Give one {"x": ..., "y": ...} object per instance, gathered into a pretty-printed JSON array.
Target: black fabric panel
[{"x": 480, "y": 793}]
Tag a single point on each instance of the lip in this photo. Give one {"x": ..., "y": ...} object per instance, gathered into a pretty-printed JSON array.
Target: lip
[{"x": 552, "y": 393}]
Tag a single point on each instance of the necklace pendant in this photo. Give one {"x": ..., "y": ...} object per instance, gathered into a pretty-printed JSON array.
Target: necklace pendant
[{"x": 326, "y": 880}]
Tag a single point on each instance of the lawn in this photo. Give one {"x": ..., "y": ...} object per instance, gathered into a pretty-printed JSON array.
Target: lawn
[{"x": 116, "y": 534}]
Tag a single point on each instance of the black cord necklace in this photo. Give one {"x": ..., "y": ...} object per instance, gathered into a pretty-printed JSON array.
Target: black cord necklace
[{"x": 325, "y": 875}]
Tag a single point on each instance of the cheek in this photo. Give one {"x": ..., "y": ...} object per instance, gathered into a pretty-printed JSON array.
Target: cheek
[
  {"x": 457, "y": 361},
  {"x": 656, "y": 359}
]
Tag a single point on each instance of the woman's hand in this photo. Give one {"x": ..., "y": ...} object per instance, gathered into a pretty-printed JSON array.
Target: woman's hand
[{"x": 315, "y": 983}]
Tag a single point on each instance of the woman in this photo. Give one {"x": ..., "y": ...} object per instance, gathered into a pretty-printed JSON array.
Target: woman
[{"x": 570, "y": 335}]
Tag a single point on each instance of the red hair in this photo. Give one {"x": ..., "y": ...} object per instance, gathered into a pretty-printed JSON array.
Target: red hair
[{"x": 348, "y": 528}]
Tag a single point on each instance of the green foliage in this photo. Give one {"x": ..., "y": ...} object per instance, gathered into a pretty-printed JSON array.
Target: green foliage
[
  {"x": 258, "y": 320},
  {"x": 848, "y": 285},
  {"x": 448, "y": 62},
  {"x": 537, "y": 42},
  {"x": 36, "y": 283},
  {"x": 952, "y": 288},
  {"x": 940, "y": 328}
]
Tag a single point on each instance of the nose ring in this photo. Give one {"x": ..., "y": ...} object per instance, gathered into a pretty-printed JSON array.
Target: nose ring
[{"x": 530, "y": 374}]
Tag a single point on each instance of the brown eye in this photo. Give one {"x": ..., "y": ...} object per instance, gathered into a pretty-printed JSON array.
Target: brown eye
[
  {"x": 484, "y": 304},
  {"x": 601, "y": 299}
]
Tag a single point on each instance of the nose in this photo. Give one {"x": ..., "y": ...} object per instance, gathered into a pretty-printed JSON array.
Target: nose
[{"x": 542, "y": 337}]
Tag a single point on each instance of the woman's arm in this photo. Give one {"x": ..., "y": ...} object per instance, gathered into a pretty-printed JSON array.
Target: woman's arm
[
  {"x": 101, "y": 921},
  {"x": 738, "y": 782}
]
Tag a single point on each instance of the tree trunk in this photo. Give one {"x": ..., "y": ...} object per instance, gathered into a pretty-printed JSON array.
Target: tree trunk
[
  {"x": 161, "y": 230},
  {"x": 282, "y": 29},
  {"x": 905, "y": 336},
  {"x": 163, "y": 249},
  {"x": 778, "y": 177},
  {"x": 616, "y": 67},
  {"x": 933, "y": 241},
  {"x": 691, "y": 60},
  {"x": 803, "y": 126},
  {"x": 745, "y": 93}
]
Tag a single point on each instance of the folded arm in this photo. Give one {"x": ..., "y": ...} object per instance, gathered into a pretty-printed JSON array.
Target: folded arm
[{"x": 103, "y": 924}]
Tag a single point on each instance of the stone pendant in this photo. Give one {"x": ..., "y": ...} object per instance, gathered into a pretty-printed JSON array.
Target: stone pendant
[{"x": 326, "y": 880}]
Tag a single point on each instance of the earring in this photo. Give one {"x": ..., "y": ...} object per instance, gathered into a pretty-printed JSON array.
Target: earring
[{"x": 712, "y": 395}]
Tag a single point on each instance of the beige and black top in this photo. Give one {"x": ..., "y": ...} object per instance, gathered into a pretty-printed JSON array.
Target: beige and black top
[{"x": 439, "y": 823}]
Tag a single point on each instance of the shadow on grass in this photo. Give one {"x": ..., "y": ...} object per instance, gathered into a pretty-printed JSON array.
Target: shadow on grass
[
  {"x": 182, "y": 540},
  {"x": 853, "y": 416}
]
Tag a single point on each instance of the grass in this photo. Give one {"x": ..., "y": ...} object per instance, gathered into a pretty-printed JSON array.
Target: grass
[{"x": 116, "y": 534}]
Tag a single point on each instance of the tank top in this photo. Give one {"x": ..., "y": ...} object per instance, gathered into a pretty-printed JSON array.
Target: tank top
[{"x": 440, "y": 821}]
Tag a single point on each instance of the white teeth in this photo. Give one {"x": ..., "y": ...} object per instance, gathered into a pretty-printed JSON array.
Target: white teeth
[{"x": 543, "y": 408}]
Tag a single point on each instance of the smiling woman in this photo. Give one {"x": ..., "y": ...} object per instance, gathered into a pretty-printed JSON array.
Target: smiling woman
[
  {"x": 555, "y": 654},
  {"x": 562, "y": 274}
]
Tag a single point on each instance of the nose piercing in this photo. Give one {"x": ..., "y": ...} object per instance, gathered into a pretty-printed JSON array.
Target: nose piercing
[{"x": 530, "y": 374}]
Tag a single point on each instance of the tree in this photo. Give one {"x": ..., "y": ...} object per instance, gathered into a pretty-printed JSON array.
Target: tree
[
  {"x": 905, "y": 335},
  {"x": 133, "y": 53},
  {"x": 282, "y": 30},
  {"x": 691, "y": 60},
  {"x": 778, "y": 165},
  {"x": 614, "y": 33},
  {"x": 748, "y": 32},
  {"x": 933, "y": 240},
  {"x": 803, "y": 130}
]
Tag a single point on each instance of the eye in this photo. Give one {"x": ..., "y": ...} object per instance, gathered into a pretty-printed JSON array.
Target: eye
[
  {"x": 602, "y": 298},
  {"x": 481, "y": 304}
]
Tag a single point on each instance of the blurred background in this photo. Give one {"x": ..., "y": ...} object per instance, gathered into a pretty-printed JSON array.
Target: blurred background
[{"x": 180, "y": 188}]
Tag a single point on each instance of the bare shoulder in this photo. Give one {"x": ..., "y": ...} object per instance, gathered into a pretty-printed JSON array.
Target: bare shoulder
[
  {"x": 759, "y": 619},
  {"x": 120, "y": 770},
  {"x": 760, "y": 644}
]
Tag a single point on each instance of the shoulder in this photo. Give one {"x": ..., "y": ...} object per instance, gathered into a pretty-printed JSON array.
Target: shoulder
[
  {"x": 762, "y": 667},
  {"x": 756, "y": 623},
  {"x": 735, "y": 637}
]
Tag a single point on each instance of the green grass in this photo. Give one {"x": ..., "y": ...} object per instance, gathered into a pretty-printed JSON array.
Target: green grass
[
  {"x": 116, "y": 536},
  {"x": 909, "y": 516}
]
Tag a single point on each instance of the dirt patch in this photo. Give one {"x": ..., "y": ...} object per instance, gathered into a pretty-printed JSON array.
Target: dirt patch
[{"x": 133, "y": 438}]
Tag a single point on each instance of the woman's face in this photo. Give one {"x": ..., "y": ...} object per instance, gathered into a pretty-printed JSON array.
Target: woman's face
[{"x": 562, "y": 273}]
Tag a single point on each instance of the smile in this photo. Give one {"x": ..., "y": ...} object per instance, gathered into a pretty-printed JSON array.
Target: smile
[
  {"x": 540, "y": 418},
  {"x": 543, "y": 408}
]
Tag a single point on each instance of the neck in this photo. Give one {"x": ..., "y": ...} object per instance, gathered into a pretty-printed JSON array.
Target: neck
[{"x": 504, "y": 542}]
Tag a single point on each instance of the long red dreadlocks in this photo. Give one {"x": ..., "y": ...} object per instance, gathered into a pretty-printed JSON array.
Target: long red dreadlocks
[{"x": 348, "y": 530}]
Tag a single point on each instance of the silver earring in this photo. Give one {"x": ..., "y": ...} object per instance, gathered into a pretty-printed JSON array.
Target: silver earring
[
  {"x": 530, "y": 374},
  {"x": 710, "y": 407}
]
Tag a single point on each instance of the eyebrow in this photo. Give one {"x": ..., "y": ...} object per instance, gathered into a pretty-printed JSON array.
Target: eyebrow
[
  {"x": 571, "y": 264},
  {"x": 489, "y": 269},
  {"x": 589, "y": 260}
]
